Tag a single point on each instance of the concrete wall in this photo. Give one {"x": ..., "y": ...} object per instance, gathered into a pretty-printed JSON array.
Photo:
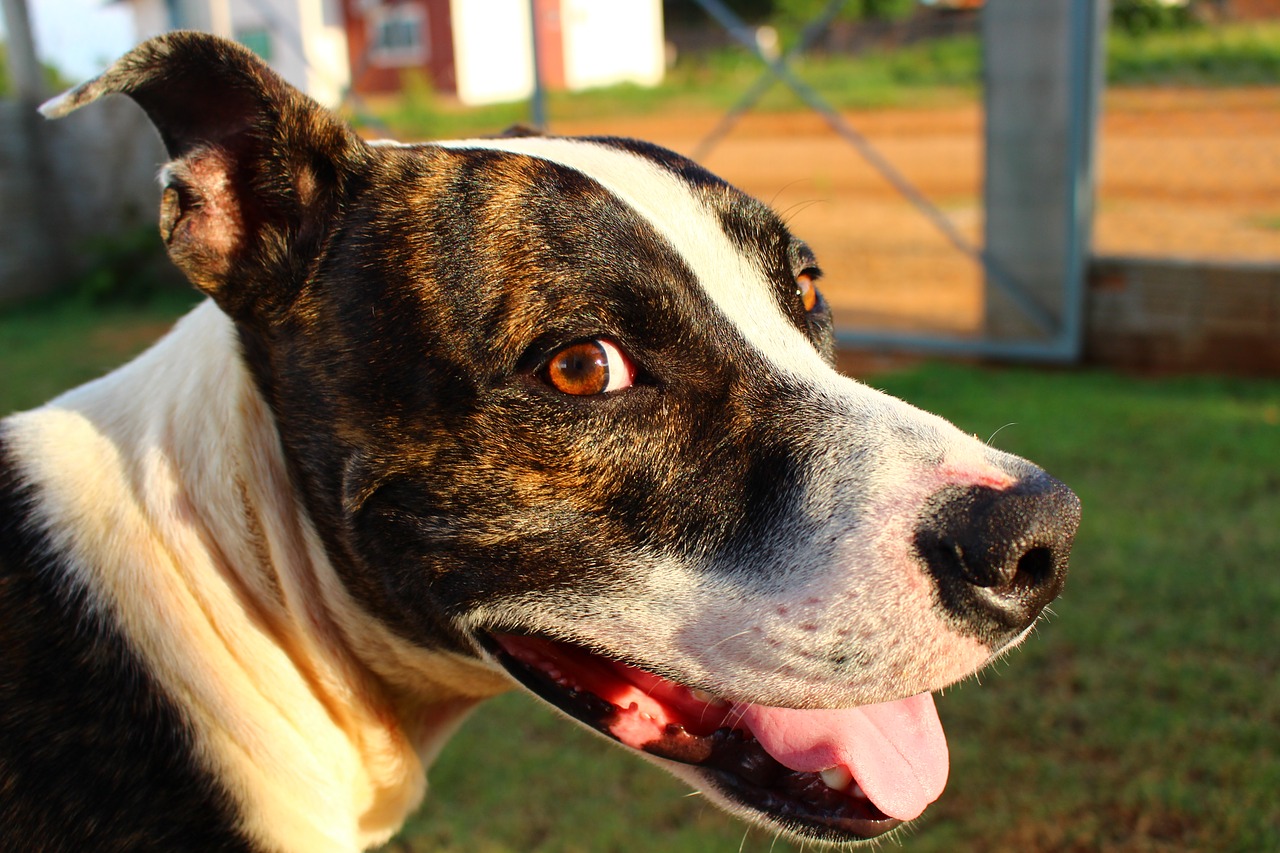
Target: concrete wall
[
  {"x": 92, "y": 174},
  {"x": 1169, "y": 315}
]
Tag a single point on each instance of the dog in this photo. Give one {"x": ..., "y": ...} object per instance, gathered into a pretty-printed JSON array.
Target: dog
[{"x": 456, "y": 417}]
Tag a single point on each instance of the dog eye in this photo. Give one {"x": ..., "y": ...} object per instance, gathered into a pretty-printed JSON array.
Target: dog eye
[
  {"x": 590, "y": 367},
  {"x": 807, "y": 289}
]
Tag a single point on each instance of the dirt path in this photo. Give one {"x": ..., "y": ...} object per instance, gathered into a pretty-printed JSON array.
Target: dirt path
[{"x": 1191, "y": 173}]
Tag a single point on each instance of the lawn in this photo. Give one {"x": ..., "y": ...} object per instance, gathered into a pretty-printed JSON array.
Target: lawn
[{"x": 1143, "y": 716}]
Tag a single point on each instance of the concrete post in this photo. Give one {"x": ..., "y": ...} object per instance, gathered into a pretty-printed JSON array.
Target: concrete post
[
  {"x": 32, "y": 250},
  {"x": 24, "y": 64},
  {"x": 1043, "y": 74}
]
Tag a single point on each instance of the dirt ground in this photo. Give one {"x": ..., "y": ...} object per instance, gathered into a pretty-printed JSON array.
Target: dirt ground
[{"x": 1189, "y": 173}]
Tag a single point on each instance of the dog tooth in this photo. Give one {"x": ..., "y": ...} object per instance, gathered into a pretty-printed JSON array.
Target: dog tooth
[
  {"x": 856, "y": 791},
  {"x": 837, "y": 778}
]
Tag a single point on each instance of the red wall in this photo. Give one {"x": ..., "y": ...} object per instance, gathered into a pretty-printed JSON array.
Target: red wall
[{"x": 368, "y": 77}]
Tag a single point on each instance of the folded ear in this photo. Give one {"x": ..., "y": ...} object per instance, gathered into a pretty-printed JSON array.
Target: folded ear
[
  {"x": 258, "y": 168},
  {"x": 518, "y": 131}
]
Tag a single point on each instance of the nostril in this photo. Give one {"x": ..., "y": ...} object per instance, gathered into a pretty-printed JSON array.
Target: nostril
[
  {"x": 1034, "y": 568},
  {"x": 997, "y": 557}
]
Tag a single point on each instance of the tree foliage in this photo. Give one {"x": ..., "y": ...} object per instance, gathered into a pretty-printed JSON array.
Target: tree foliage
[{"x": 54, "y": 81}]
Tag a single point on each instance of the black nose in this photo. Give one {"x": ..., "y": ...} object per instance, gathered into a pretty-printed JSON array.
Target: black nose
[{"x": 998, "y": 557}]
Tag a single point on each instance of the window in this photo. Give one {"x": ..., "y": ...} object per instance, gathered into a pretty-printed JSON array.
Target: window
[
  {"x": 398, "y": 34},
  {"x": 257, "y": 40}
]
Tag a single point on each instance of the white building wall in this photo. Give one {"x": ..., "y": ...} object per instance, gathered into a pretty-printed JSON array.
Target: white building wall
[
  {"x": 330, "y": 69},
  {"x": 307, "y": 44},
  {"x": 607, "y": 42},
  {"x": 492, "y": 53}
]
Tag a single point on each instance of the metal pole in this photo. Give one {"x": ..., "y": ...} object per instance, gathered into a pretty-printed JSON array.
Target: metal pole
[
  {"x": 1087, "y": 50},
  {"x": 538, "y": 98},
  {"x": 1086, "y": 33},
  {"x": 810, "y": 35}
]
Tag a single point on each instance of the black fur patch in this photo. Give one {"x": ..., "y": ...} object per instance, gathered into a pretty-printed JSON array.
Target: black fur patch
[{"x": 93, "y": 755}]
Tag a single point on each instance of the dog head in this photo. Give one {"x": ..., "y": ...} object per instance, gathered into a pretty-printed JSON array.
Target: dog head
[{"x": 567, "y": 407}]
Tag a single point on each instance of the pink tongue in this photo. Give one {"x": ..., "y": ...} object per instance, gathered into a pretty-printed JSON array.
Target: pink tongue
[{"x": 896, "y": 751}]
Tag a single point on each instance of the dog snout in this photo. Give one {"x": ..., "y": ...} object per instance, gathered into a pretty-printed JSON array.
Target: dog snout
[{"x": 998, "y": 556}]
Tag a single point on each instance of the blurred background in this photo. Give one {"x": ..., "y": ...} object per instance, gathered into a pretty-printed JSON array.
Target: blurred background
[{"x": 1055, "y": 220}]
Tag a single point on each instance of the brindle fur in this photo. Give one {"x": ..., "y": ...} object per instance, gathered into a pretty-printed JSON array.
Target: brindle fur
[{"x": 395, "y": 308}]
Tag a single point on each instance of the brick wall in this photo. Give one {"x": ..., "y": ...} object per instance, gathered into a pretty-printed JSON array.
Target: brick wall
[{"x": 1162, "y": 314}]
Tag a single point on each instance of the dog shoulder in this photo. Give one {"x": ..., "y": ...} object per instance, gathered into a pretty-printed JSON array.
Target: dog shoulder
[{"x": 93, "y": 754}]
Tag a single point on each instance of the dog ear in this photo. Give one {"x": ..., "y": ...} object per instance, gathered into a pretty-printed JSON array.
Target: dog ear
[
  {"x": 518, "y": 131},
  {"x": 258, "y": 168}
]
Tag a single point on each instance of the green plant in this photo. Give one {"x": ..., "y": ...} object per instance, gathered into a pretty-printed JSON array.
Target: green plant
[
  {"x": 129, "y": 267},
  {"x": 801, "y": 12},
  {"x": 1233, "y": 54},
  {"x": 1141, "y": 17},
  {"x": 54, "y": 81},
  {"x": 714, "y": 80}
]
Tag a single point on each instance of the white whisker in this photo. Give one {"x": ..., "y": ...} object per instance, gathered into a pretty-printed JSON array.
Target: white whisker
[{"x": 997, "y": 432}]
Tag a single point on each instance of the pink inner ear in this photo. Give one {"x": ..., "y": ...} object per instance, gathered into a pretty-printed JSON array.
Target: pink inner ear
[{"x": 202, "y": 215}]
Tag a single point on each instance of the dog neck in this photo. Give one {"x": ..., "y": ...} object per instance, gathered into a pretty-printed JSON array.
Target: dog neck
[{"x": 165, "y": 486}]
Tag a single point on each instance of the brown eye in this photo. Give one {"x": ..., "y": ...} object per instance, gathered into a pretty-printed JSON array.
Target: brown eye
[
  {"x": 807, "y": 291},
  {"x": 590, "y": 367}
]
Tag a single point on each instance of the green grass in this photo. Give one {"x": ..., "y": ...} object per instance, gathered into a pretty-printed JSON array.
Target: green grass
[
  {"x": 1143, "y": 716},
  {"x": 1147, "y": 712},
  {"x": 52, "y": 345},
  {"x": 1235, "y": 55},
  {"x": 922, "y": 74},
  {"x": 1265, "y": 222}
]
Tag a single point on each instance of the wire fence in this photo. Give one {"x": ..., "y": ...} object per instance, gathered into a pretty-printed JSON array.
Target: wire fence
[{"x": 1190, "y": 173}]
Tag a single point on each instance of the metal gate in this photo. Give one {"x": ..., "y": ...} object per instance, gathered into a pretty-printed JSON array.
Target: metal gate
[{"x": 1042, "y": 73}]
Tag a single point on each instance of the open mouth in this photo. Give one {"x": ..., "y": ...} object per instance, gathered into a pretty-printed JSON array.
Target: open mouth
[{"x": 832, "y": 775}]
